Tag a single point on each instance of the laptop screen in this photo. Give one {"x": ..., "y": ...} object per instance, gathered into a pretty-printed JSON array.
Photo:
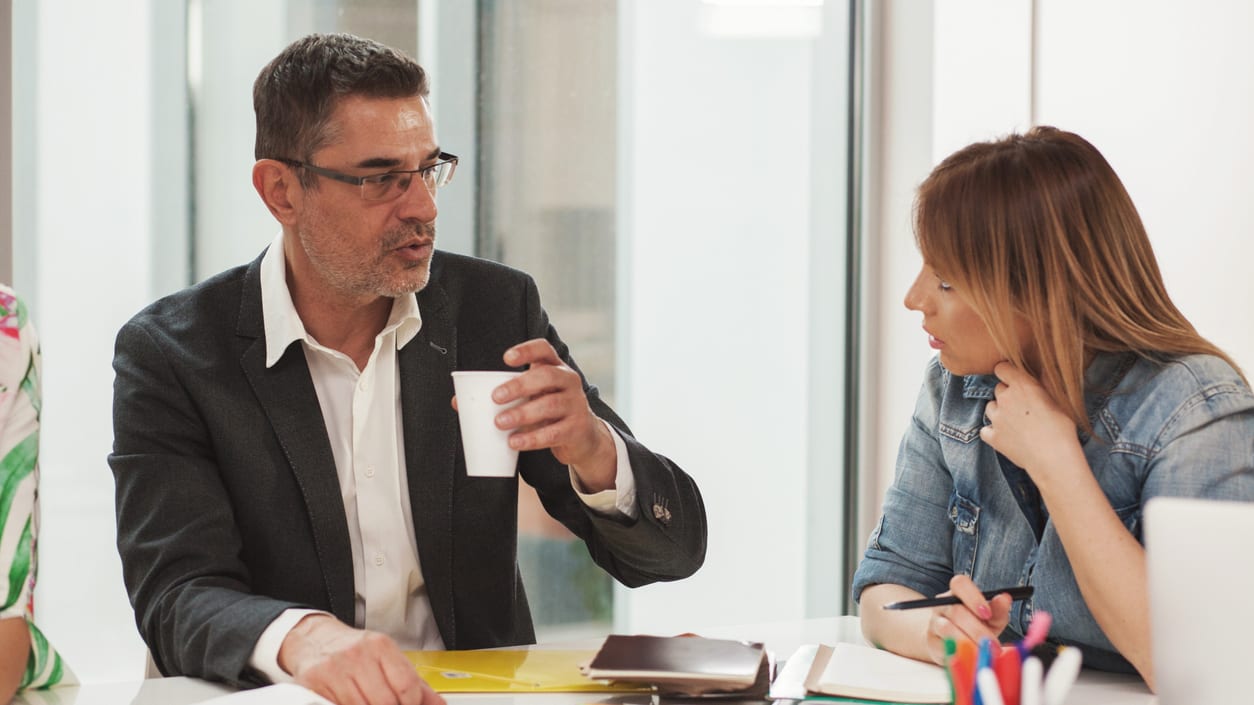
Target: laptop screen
[{"x": 1200, "y": 559}]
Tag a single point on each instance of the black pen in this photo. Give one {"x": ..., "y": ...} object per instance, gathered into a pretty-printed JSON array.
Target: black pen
[{"x": 1021, "y": 592}]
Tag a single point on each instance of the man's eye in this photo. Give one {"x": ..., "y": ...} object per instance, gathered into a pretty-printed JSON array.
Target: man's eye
[{"x": 381, "y": 179}]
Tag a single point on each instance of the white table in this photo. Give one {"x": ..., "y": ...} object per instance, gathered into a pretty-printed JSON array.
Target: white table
[{"x": 782, "y": 638}]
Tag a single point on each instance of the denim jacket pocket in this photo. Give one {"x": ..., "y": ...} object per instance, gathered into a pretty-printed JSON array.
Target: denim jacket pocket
[
  {"x": 965, "y": 515},
  {"x": 874, "y": 541}
]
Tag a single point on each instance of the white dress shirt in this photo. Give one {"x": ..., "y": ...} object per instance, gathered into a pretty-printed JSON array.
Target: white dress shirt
[{"x": 362, "y": 412}]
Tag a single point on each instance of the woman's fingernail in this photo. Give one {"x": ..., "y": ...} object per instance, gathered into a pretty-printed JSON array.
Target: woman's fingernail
[{"x": 985, "y": 611}]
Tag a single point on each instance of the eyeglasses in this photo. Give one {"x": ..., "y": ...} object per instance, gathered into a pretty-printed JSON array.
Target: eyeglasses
[{"x": 390, "y": 184}]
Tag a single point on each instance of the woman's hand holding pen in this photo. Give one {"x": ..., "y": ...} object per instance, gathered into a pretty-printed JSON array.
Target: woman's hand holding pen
[
  {"x": 976, "y": 618},
  {"x": 1027, "y": 426}
]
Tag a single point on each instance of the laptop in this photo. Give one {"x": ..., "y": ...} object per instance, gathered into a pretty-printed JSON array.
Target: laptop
[{"x": 1200, "y": 558}]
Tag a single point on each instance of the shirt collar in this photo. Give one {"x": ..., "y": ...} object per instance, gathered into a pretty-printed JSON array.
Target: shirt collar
[
  {"x": 979, "y": 386},
  {"x": 282, "y": 323}
]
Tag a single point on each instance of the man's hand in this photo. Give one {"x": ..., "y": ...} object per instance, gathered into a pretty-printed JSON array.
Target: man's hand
[
  {"x": 351, "y": 666},
  {"x": 555, "y": 415}
]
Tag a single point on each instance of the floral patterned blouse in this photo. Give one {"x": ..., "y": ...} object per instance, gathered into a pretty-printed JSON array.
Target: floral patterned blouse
[{"x": 19, "y": 481}]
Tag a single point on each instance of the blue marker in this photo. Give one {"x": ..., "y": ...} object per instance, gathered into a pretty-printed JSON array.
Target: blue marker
[
  {"x": 985, "y": 659},
  {"x": 983, "y": 662}
]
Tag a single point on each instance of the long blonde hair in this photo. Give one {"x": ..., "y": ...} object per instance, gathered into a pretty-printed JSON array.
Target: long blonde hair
[{"x": 1038, "y": 229}]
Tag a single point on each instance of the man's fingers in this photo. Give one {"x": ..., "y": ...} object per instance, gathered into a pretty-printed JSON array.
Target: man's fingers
[
  {"x": 374, "y": 686},
  {"x": 544, "y": 436},
  {"x": 535, "y": 412},
  {"x": 538, "y": 381},
  {"x": 429, "y": 696},
  {"x": 356, "y": 694},
  {"x": 338, "y": 687},
  {"x": 400, "y": 675},
  {"x": 370, "y": 671},
  {"x": 532, "y": 352}
]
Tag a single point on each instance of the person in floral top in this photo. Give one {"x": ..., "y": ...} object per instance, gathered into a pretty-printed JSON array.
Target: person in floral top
[{"x": 26, "y": 658}]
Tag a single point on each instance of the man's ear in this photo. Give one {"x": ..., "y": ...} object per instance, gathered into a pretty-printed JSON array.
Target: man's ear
[{"x": 279, "y": 189}]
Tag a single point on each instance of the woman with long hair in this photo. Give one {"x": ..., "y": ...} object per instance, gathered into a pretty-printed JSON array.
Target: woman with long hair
[{"x": 1067, "y": 391}]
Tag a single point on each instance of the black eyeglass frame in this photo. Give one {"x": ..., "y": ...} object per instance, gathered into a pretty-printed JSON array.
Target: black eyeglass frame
[{"x": 360, "y": 181}]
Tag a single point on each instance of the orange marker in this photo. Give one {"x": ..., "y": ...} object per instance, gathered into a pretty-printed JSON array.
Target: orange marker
[{"x": 962, "y": 673}]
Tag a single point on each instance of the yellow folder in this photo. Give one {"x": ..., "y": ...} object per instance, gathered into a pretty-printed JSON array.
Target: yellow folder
[{"x": 512, "y": 671}]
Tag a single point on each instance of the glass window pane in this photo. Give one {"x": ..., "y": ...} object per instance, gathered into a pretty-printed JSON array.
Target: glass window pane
[{"x": 546, "y": 205}]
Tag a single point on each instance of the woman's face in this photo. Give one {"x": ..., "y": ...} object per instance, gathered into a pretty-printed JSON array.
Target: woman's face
[{"x": 953, "y": 328}]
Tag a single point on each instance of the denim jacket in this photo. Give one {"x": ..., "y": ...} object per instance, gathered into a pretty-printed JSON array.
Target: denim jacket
[{"x": 1181, "y": 427}]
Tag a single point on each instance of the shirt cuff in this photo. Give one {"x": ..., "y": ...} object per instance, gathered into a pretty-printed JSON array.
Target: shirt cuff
[
  {"x": 265, "y": 656},
  {"x": 621, "y": 500}
]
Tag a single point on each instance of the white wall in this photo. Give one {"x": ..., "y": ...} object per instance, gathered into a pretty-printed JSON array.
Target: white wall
[
  {"x": 1167, "y": 94},
  {"x": 1163, "y": 89},
  {"x": 92, "y": 168}
]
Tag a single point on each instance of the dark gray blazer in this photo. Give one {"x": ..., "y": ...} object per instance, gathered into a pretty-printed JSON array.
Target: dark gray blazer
[{"x": 228, "y": 502}]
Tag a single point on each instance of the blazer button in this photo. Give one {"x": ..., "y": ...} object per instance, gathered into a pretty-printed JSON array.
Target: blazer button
[{"x": 661, "y": 512}]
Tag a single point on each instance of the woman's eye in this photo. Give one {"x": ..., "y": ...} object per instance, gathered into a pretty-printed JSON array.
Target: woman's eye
[{"x": 943, "y": 285}]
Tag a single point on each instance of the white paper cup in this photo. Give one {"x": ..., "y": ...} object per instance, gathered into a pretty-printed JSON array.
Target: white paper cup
[{"x": 487, "y": 447}]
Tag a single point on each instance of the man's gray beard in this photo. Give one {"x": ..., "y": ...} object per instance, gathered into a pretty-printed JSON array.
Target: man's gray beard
[
  {"x": 406, "y": 290},
  {"x": 426, "y": 230},
  {"x": 346, "y": 279}
]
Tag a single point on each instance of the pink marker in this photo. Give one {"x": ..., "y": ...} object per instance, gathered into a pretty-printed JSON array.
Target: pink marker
[{"x": 1037, "y": 630}]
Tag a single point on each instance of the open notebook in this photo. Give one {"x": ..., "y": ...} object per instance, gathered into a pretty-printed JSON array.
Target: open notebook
[
  {"x": 865, "y": 672},
  {"x": 1201, "y": 577}
]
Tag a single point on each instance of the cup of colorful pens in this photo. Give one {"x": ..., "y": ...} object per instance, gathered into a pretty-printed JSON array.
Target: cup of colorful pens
[{"x": 1011, "y": 674}]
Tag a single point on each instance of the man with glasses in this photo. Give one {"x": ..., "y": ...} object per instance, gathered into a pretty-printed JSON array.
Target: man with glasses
[{"x": 291, "y": 493}]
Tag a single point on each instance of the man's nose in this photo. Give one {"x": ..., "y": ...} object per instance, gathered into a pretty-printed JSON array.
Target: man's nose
[{"x": 418, "y": 202}]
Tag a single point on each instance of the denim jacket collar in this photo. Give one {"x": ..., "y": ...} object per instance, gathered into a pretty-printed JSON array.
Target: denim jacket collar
[{"x": 1101, "y": 378}]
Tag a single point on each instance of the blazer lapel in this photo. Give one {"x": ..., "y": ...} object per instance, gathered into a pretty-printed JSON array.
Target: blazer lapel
[
  {"x": 287, "y": 394},
  {"x": 426, "y": 366}
]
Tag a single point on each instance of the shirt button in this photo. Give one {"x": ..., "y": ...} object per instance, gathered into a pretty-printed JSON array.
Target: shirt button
[
  {"x": 378, "y": 559},
  {"x": 370, "y": 471},
  {"x": 362, "y": 385}
]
